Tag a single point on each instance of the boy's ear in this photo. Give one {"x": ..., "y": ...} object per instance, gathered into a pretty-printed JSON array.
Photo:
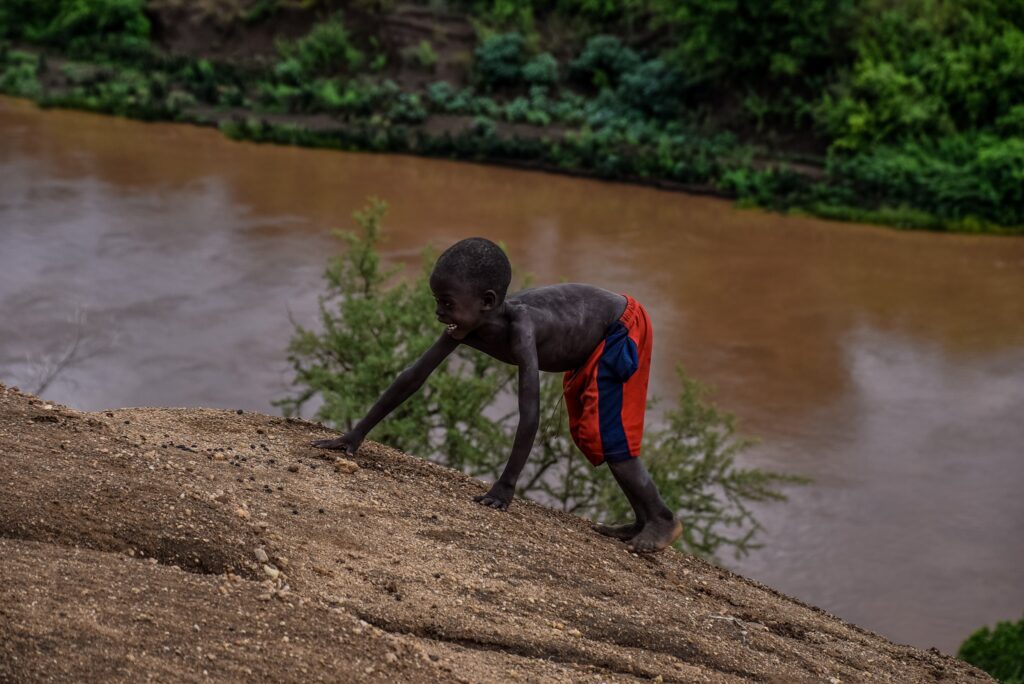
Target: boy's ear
[{"x": 490, "y": 298}]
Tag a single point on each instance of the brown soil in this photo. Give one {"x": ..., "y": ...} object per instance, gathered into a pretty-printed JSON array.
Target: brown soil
[{"x": 129, "y": 545}]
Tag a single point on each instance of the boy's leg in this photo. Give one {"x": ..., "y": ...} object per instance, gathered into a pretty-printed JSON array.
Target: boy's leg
[
  {"x": 660, "y": 527},
  {"x": 629, "y": 530}
]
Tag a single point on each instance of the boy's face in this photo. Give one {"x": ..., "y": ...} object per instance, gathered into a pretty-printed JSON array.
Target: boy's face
[{"x": 457, "y": 307}]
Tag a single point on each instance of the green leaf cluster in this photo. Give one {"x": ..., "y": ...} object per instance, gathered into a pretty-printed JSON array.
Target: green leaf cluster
[
  {"x": 998, "y": 651},
  {"x": 117, "y": 28}
]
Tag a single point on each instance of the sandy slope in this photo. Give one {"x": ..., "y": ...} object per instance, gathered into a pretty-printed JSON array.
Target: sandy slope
[{"x": 128, "y": 550}]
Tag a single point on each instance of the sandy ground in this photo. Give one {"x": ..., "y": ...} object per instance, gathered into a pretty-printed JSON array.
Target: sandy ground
[{"x": 187, "y": 544}]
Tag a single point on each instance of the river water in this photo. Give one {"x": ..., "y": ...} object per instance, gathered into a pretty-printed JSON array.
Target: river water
[{"x": 887, "y": 366}]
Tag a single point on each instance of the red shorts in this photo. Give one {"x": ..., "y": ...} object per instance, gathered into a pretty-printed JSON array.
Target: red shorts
[{"x": 606, "y": 396}]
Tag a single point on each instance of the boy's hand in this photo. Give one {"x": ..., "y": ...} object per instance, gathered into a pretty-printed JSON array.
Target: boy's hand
[
  {"x": 500, "y": 496},
  {"x": 348, "y": 442}
]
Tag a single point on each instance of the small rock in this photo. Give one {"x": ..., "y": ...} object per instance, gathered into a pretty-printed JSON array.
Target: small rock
[
  {"x": 343, "y": 465},
  {"x": 271, "y": 571},
  {"x": 391, "y": 658},
  {"x": 293, "y": 468},
  {"x": 242, "y": 513},
  {"x": 264, "y": 597},
  {"x": 261, "y": 555},
  {"x": 575, "y": 633}
]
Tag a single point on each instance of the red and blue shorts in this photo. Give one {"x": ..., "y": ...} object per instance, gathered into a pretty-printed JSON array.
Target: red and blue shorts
[{"x": 606, "y": 396}]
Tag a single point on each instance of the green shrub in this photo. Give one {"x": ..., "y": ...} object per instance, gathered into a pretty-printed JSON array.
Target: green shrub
[
  {"x": 999, "y": 651},
  {"x": 421, "y": 54},
  {"x": 653, "y": 88},
  {"x": 18, "y": 75},
  {"x": 786, "y": 52},
  {"x": 325, "y": 51},
  {"x": 927, "y": 69},
  {"x": 542, "y": 69},
  {"x": 499, "y": 60},
  {"x": 83, "y": 28},
  {"x": 603, "y": 60}
]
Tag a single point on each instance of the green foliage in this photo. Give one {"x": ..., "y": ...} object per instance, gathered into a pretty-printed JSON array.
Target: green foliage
[
  {"x": 999, "y": 651},
  {"x": 603, "y": 60},
  {"x": 692, "y": 459},
  {"x": 83, "y": 28},
  {"x": 777, "y": 55},
  {"x": 928, "y": 68},
  {"x": 370, "y": 332},
  {"x": 421, "y": 54},
  {"x": 954, "y": 177},
  {"x": 653, "y": 88},
  {"x": 500, "y": 59},
  {"x": 542, "y": 69},
  {"x": 18, "y": 74},
  {"x": 325, "y": 51}
]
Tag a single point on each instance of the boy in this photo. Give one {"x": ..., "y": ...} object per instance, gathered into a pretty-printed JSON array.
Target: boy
[{"x": 599, "y": 339}]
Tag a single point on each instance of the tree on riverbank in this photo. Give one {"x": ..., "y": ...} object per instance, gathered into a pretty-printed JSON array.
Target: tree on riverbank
[
  {"x": 373, "y": 327},
  {"x": 998, "y": 651}
]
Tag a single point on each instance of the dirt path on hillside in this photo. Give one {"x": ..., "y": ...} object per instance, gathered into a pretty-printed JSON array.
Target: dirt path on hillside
[{"x": 178, "y": 543}]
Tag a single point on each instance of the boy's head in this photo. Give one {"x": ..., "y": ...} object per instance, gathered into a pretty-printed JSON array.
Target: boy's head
[{"x": 470, "y": 278}]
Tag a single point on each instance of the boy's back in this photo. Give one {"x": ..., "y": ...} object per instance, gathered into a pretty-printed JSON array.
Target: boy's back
[{"x": 568, "y": 321}]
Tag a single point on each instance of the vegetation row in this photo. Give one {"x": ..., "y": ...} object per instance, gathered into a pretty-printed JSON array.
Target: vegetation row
[{"x": 910, "y": 114}]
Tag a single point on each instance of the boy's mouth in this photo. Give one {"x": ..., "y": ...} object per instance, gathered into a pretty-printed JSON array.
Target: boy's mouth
[{"x": 451, "y": 327}]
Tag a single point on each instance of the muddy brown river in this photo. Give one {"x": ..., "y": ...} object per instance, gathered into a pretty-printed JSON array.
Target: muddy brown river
[{"x": 156, "y": 264}]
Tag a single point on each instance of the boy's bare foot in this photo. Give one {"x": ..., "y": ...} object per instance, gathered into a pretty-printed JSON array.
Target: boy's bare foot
[
  {"x": 623, "y": 532},
  {"x": 657, "y": 534}
]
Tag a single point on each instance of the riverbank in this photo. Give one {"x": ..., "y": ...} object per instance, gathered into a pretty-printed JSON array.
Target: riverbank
[
  {"x": 175, "y": 543},
  {"x": 554, "y": 90}
]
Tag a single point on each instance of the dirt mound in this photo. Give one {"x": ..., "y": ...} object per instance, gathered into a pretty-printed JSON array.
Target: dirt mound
[{"x": 169, "y": 542}]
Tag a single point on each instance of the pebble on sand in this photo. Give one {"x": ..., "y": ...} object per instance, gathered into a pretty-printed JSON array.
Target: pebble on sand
[{"x": 343, "y": 465}]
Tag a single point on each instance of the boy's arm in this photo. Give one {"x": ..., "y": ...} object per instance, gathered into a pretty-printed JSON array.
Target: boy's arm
[
  {"x": 525, "y": 352},
  {"x": 404, "y": 386}
]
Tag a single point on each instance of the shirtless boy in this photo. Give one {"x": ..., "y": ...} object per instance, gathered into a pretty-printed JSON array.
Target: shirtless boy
[{"x": 600, "y": 340}]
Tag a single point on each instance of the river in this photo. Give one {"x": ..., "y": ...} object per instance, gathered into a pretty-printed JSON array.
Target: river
[{"x": 888, "y": 366}]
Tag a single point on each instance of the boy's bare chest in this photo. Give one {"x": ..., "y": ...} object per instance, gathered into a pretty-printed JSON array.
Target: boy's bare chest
[{"x": 555, "y": 353}]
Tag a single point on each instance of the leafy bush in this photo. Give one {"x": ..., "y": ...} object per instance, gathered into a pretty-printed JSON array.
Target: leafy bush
[
  {"x": 18, "y": 75},
  {"x": 325, "y": 51},
  {"x": 999, "y": 651},
  {"x": 786, "y": 52},
  {"x": 116, "y": 28},
  {"x": 603, "y": 60},
  {"x": 500, "y": 59},
  {"x": 421, "y": 54},
  {"x": 369, "y": 333},
  {"x": 954, "y": 177},
  {"x": 542, "y": 69},
  {"x": 653, "y": 88}
]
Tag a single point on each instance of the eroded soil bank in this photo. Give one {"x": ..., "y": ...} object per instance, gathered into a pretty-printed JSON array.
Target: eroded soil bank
[{"x": 178, "y": 543}]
